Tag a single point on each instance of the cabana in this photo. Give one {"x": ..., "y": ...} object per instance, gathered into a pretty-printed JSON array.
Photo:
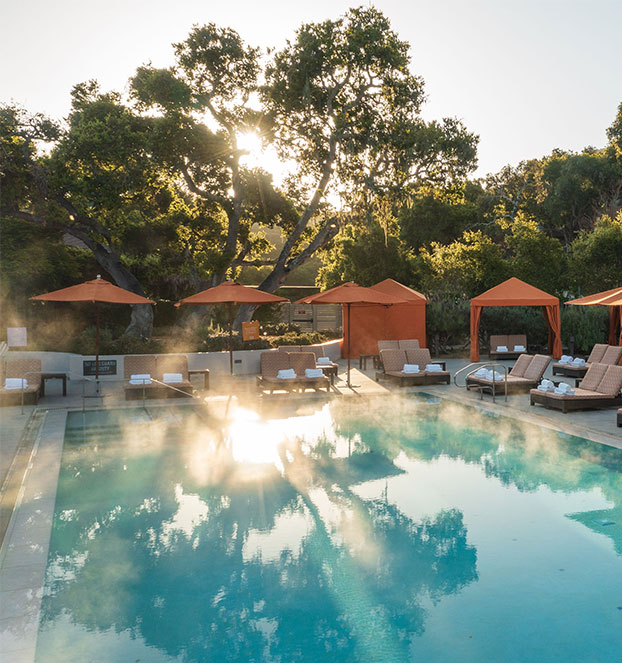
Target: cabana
[
  {"x": 373, "y": 322},
  {"x": 612, "y": 299},
  {"x": 515, "y": 292}
]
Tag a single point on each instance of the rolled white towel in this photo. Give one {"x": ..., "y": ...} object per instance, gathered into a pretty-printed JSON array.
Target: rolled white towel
[
  {"x": 566, "y": 359},
  {"x": 480, "y": 373},
  {"x": 519, "y": 348},
  {"x": 171, "y": 378},
  {"x": 140, "y": 378},
  {"x": 313, "y": 373},
  {"x": 577, "y": 361},
  {"x": 549, "y": 384},
  {"x": 498, "y": 377},
  {"x": 565, "y": 387},
  {"x": 323, "y": 361},
  {"x": 502, "y": 348},
  {"x": 433, "y": 368},
  {"x": 564, "y": 392},
  {"x": 15, "y": 383},
  {"x": 542, "y": 387},
  {"x": 286, "y": 374},
  {"x": 410, "y": 368}
]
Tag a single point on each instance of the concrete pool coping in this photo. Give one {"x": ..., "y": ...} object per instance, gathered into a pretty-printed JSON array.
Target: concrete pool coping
[{"x": 23, "y": 555}]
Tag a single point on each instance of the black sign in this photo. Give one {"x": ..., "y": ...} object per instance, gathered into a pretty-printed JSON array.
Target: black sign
[{"x": 106, "y": 367}]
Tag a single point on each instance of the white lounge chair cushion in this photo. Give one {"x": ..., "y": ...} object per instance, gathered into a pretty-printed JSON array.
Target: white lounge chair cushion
[
  {"x": 502, "y": 348},
  {"x": 566, "y": 359},
  {"x": 519, "y": 348},
  {"x": 314, "y": 373},
  {"x": 286, "y": 374},
  {"x": 324, "y": 361},
  {"x": 15, "y": 383},
  {"x": 577, "y": 361},
  {"x": 410, "y": 368},
  {"x": 140, "y": 378},
  {"x": 433, "y": 368},
  {"x": 171, "y": 378}
]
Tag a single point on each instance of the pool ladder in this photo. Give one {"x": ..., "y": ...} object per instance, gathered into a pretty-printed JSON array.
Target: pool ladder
[{"x": 475, "y": 366}]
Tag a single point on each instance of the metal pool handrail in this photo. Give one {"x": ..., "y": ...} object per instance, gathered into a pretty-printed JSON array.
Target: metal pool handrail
[{"x": 487, "y": 364}]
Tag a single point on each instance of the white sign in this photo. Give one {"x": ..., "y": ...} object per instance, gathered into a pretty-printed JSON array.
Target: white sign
[{"x": 16, "y": 337}]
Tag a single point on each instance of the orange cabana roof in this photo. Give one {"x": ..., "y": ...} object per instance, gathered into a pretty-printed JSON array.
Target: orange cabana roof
[
  {"x": 514, "y": 292},
  {"x": 606, "y": 298},
  {"x": 391, "y": 287}
]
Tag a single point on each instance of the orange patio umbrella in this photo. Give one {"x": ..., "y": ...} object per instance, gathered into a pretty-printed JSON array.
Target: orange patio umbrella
[
  {"x": 612, "y": 299},
  {"x": 230, "y": 293},
  {"x": 98, "y": 290},
  {"x": 348, "y": 294}
]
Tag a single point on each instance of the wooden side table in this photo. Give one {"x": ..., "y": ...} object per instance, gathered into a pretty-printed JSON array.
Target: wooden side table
[
  {"x": 364, "y": 358},
  {"x": 205, "y": 373}
]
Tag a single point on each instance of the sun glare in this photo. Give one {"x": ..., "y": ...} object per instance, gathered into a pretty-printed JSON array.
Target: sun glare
[{"x": 250, "y": 142}]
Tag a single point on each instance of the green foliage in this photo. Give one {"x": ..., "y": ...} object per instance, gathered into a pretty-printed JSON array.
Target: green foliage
[
  {"x": 528, "y": 320},
  {"x": 447, "y": 323},
  {"x": 300, "y": 338},
  {"x": 466, "y": 267},
  {"x": 596, "y": 257},
  {"x": 587, "y": 324}
]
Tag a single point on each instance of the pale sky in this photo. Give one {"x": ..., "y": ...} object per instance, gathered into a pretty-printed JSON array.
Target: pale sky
[{"x": 526, "y": 75}]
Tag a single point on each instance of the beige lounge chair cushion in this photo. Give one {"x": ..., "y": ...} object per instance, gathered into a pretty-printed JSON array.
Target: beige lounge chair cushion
[
  {"x": 536, "y": 368},
  {"x": 597, "y": 353},
  {"x": 409, "y": 344},
  {"x": 612, "y": 355},
  {"x": 516, "y": 339},
  {"x": 139, "y": 365},
  {"x": 272, "y": 362},
  {"x": 611, "y": 383},
  {"x": 393, "y": 360},
  {"x": 388, "y": 345},
  {"x": 594, "y": 375},
  {"x": 519, "y": 368},
  {"x": 579, "y": 394}
]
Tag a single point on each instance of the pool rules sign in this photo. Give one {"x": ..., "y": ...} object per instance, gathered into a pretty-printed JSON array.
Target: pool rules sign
[{"x": 250, "y": 330}]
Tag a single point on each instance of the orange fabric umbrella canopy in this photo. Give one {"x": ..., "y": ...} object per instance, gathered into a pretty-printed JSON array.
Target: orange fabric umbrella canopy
[
  {"x": 230, "y": 292},
  {"x": 348, "y": 294},
  {"x": 374, "y": 322},
  {"x": 515, "y": 292},
  {"x": 95, "y": 291},
  {"x": 612, "y": 299}
]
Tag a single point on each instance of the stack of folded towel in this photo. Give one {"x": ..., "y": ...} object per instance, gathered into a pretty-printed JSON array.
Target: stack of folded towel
[
  {"x": 410, "y": 368},
  {"x": 15, "y": 383},
  {"x": 323, "y": 361},
  {"x": 564, "y": 389},
  {"x": 546, "y": 385},
  {"x": 566, "y": 359},
  {"x": 502, "y": 348},
  {"x": 140, "y": 378},
  {"x": 286, "y": 374},
  {"x": 172, "y": 378},
  {"x": 519, "y": 348},
  {"x": 577, "y": 361},
  {"x": 481, "y": 373},
  {"x": 313, "y": 373},
  {"x": 433, "y": 368},
  {"x": 487, "y": 374}
]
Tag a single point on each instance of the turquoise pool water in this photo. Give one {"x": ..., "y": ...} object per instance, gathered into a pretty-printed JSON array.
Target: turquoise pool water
[{"x": 390, "y": 530}]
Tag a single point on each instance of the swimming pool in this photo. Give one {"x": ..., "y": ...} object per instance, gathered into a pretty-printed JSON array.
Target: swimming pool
[{"x": 390, "y": 530}]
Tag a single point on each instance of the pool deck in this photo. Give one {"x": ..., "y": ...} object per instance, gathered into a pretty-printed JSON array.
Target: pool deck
[{"x": 31, "y": 446}]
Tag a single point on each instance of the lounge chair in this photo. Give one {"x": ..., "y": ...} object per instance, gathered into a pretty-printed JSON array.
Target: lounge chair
[
  {"x": 601, "y": 354},
  {"x": 508, "y": 341},
  {"x": 330, "y": 369},
  {"x": 134, "y": 387},
  {"x": 393, "y": 362},
  {"x": 169, "y": 369},
  {"x": 272, "y": 362},
  {"x": 408, "y": 344},
  {"x": 600, "y": 388},
  {"x": 20, "y": 369},
  {"x": 388, "y": 345},
  {"x": 525, "y": 375}
]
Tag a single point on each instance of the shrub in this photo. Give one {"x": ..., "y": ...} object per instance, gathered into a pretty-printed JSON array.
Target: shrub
[
  {"x": 447, "y": 323},
  {"x": 586, "y": 324}
]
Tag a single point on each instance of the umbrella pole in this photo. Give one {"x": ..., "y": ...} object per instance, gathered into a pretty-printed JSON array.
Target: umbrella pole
[
  {"x": 230, "y": 337},
  {"x": 97, "y": 346},
  {"x": 349, "y": 385}
]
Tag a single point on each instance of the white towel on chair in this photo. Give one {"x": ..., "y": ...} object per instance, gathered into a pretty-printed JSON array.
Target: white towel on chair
[
  {"x": 564, "y": 392},
  {"x": 564, "y": 387},
  {"x": 140, "y": 378},
  {"x": 286, "y": 374},
  {"x": 519, "y": 348},
  {"x": 480, "y": 373},
  {"x": 410, "y": 368},
  {"x": 15, "y": 383},
  {"x": 323, "y": 361},
  {"x": 502, "y": 348},
  {"x": 313, "y": 373},
  {"x": 546, "y": 385},
  {"x": 566, "y": 359},
  {"x": 577, "y": 361},
  {"x": 433, "y": 368},
  {"x": 171, "y": 378}
]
